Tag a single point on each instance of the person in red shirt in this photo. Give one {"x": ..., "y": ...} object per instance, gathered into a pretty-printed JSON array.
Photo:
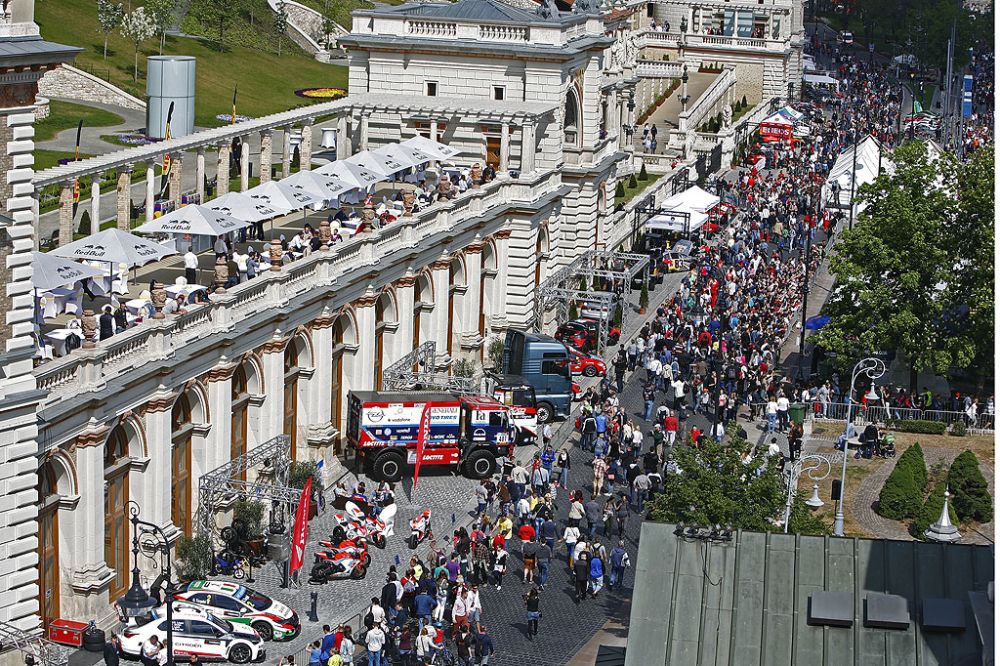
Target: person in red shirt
[
  {"x": 695, "y": 435},
  {"x": 526, "y": 532},
  {"x": 670, "y": 426}
]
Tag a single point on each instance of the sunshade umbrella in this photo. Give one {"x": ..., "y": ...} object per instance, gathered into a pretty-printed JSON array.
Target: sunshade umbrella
[
  {"x": 351, "y": 173},
  {"x": 407, "y": 155},
  {"x": 242, "y": 207},
  {"x": 377, "y": 163},
  {"x": 817, "y": 322},
  {"x": 282, "y": 197},
  {"x": 115, "y": 246},
  {"x": 435, "y": 149},
  {"x": 49, "y": 271},
  {"x": 194, "y": 219},
  {"x": 326, "y": 188}
]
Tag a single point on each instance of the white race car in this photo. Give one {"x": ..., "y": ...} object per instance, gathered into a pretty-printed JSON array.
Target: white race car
[
  {"x": 242, "y": 605},
  {"x": 197, "y": 633}
]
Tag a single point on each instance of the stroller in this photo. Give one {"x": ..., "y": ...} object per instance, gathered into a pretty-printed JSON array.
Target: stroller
[{"x": 889, "y": 445}]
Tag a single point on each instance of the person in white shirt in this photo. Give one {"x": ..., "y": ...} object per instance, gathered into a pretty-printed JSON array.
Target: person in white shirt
[
  {"x": 191, "y": 266},
  {"x": 773, "y": 448},
  {"x": 241, "y": 264},
  {"x": 782, "y": 404},
  {"x": 771, "y": 411}
]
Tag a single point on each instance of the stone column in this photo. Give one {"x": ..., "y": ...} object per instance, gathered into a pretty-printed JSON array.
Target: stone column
[
  {"x": 320, "y": 427},
  {"x": 504, "y": 147},
  {"x": 403, "y": 337},
  {"x": 90, "y": 571},
  {"x": 273, "y": 410},
  {"x": 306, "y": 147},
  {"x": 364, "y": 358},
  {"x": 176, "y": 178},
  {"x": 95, "y": 203},
  {"x": 286, "y": 152},
  {"x": 150, "y": 189},
  {"x": 124, "y": 201},
  {"x": 441, "y": 281},
  {"x": 472, "y": 301},
  {"x": 220, "y": 403},
  {"x": 66, "y": 213},
  {"x": 199, "y": 174},
  {"x": 343, "y": 139},
  {"x": 502, "y": 244},
  {"x": 244, "y": 165},
  {"x": 527, "y": 147},
  {"x": 153, "y": 494},
  {"x": 364, "y": 131},
  {"x": 265, "y": 155},
  {"x": 222, "y": 170}
]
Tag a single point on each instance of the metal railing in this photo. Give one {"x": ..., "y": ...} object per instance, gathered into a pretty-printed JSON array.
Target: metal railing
[{"x": 837, "y": 411}]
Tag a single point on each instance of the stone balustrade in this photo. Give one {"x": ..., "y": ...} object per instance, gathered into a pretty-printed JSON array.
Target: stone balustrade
[
  {"x": 430, "y": 28},
  {"x": 504, "y": 33}
]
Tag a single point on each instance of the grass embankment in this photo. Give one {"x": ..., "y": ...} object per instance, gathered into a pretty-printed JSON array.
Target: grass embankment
[
  {"x": 640, "y": 185},
  {"x": 249, "y": 60},
  {"x": 66, "y": 115},
  {"x": 340, "y": 10}
]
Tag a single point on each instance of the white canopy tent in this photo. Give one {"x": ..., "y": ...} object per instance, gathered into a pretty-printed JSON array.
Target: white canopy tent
[
  {"x": 693, "y": 198},
  {"x": 382, "y": 164},
  {"x": 49, "y": 271},
  {"x": 408, "y": 155},
  {"x": 243, "y": 207},
  {"x": 282, "y": 197},
  {"x": 196, "y": 220},
  {"x": 325, "y": 188},
  {"x": 867, "y": 170},
  {"x": 823, "y": 80},
  {"x": 435, "y": 149},
  {"x": 351, "y": 173},
  {"x": 685, "y": 211},
  {"x": 115, "y": 247}
]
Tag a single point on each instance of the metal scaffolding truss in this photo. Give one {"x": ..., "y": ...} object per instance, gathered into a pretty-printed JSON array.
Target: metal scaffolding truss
[
  {"x": 42, "y": 651},
  {"x": 224, "y": 485},
  {"x": 557, "y": 292},
  {"x": 420, "y": 370}
]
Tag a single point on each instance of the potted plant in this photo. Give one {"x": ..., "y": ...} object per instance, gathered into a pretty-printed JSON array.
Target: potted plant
[
  {"x": 494, "y": 351},
  {"x": 194, "y": 558},
  {"x": 643, "y": 299},
  {"x": 299, "y": 471},
  {"x": 248, "y": 519}
]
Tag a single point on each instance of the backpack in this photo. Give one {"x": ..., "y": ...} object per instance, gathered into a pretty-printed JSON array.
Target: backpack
[{"x": 369, "y": 619}]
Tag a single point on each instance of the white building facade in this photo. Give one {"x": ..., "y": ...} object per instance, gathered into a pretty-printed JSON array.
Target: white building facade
[{"x": 141, "y": 416}]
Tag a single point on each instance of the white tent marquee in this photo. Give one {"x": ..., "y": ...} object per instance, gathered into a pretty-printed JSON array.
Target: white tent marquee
[
  {"x": 685, "y": 211},
  {"x": 867, "y": 170}
]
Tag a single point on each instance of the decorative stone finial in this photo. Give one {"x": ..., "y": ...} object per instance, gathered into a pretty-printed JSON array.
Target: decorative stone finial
[{"x": 943, "y": 531}]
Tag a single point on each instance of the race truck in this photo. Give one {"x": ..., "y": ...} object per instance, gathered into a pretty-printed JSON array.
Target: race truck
[
  {"x": 518, "y": 396},
  {"x": 470, "y": 432}
]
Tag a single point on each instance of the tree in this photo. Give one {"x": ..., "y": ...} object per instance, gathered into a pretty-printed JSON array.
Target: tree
[
  {"x": 718, "y": 486},
  {"x": 631, "y": 181},
  {"x": 219, "y": 13},
  {"x": 137, "y": 27},
  {"x": 109, "y": 17},
  {"x": 642, "y": 172},
  {"x": 620, "y": 190},
  {"x": 280, "y": 24},
  {"x": 903, "y": 490},
  {"x": 329, "y": 26},
  {"x": 644, "y": 297},
  {"x": 930, "y": 511},
  {"x": 494, "y": 352},
  {"x": 970, "y": 493},
  {"x": 573, "y": 312},
  {"x": 464, "y": 367},
  {"x": 802, "y": 519},
  {"x": 163, "y": 14},
  {"x": 889, "y": 269}
]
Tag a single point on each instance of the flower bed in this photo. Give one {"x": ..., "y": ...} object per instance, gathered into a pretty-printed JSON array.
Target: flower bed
[{"x": 321, "y": 93}]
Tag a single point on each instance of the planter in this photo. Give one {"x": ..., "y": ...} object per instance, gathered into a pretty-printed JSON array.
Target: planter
[
  {"x": 642, "y": 310},
  {"x": 256, "y": 545}
]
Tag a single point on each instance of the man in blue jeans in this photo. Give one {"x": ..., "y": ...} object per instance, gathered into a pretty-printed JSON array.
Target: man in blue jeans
[
  {"x": 374, "y": 642},
  {"x": 543, "y": 556},
  {"x": 619, "y": 561},
  {"x": 649, "y": 397}
]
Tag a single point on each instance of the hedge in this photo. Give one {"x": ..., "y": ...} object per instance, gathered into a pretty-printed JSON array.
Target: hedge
[
  {"x": 970, "y": 493},
  {"x": 902, "y": 493},
  {"x": 931, "y": 511},
  {"x": 918, "y": 426}
]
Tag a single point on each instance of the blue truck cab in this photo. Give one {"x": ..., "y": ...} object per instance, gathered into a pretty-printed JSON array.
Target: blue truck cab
[{"x": 544, "y": 363}]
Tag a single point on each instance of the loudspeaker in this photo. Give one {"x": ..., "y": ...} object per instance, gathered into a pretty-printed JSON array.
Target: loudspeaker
[{"x": 835, "y": 491}]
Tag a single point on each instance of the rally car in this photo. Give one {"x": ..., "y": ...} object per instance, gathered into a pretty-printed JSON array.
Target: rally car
[
  {"x": 242, "y": 605},
  {"x": 196, "y": 633},
  {"x": 582, "y": 334},
  {"x": 583, "y": 364}
]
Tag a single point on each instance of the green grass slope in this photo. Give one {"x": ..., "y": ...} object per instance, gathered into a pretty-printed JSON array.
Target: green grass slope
[
  {"x": 249, "y": 60},
  {"x": 64, "y": 115}
]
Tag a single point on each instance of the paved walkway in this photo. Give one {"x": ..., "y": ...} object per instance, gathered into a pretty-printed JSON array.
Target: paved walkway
[
  {"x": 665, "y": 117},
  {"x": 90, "y": 138}
]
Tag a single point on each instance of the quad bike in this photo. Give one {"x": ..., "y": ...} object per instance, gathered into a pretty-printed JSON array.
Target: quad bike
[
  {"x": 420, "y": 529},
  {"x": 358, "y": 548},
  {"x": 339, "y": 565}
]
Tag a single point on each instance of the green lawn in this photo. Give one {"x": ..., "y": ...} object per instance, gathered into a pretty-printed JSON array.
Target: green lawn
[
  {"x": 267, "y": 82},
  {"x": 640, "y": 185},
  {"x": 65, "y": 115},
  {"x": 45, "y": 159}
]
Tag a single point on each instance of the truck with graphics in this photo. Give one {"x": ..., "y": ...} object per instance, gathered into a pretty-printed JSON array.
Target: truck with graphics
[{"x": 470, "y": 432}]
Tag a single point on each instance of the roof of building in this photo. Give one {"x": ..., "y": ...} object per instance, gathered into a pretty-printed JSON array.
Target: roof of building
[
  {"x": 34, "y": 51},
  {"x": 484, "y": 11},
  {"x": 748, "y": 601}
]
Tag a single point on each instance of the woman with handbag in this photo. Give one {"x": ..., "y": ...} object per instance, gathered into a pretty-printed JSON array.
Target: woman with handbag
[{"x": 532, "y": 603}]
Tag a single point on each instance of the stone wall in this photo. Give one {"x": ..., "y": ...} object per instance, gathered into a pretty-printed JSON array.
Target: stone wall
[
  {"x": 71, "y": 83},
  {"x": 42, "y": 108}
]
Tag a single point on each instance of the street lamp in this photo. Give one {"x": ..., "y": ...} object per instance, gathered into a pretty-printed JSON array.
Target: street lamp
[
  {"x": 873, "y": 368},
  {"x": 819, "y": 468},
  {"x": 136, "y": 601}
]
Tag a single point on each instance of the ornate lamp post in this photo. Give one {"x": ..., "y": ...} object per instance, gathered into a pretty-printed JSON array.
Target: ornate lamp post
[
  {"x": 873, "y": 368},
  {"x": 818, "y": 469}
]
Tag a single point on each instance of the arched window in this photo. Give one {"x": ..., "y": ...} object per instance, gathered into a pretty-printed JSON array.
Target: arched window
[
  {"x": 182, "y": 430},
  {"x": 116, "y": 526},
  {"x": 571, "y": 119},
  {"x": 241, "y": 404},
  {"x": 48, "y": 545},
  {"x": 291, "y": 394}
]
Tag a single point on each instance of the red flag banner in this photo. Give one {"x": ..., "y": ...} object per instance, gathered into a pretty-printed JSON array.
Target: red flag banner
[
  {"x": 301, "y": 529},
  {"x": 422, "y": 435}
]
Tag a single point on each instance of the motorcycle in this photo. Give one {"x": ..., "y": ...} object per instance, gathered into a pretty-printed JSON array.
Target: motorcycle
[
  {"x": 420, "y": 529},
  {"x": 353, "y": 523},
  {"x": 358, "y": 548},
  {"x": 339, "y": 565}
]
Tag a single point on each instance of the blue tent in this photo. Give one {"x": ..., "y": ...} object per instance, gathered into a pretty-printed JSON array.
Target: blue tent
[{"x": 817, "y": 322}]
